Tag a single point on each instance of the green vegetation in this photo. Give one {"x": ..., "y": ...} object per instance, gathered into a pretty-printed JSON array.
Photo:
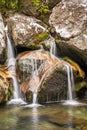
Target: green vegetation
[
  {"x": 80, "y": 85},
  {"x": 9, "y": 6},
  {"x": 76, "y": 67},
  {"x": 42, "y": 7},
  {"x": 41, "y": 37},
  {"x": 10, "y": 92}
]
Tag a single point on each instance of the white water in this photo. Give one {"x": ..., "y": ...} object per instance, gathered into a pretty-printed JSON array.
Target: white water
[
  {"x": 70, "y": 78},
  {"x": 70, "y": 81},
  {"x": 53, "y": 48},
  {"x": 12, "y": 67},
  {"x": 11, "y": 64},
  {"x": 71, "y": 87},
  {"x": 35, "y": 72}
]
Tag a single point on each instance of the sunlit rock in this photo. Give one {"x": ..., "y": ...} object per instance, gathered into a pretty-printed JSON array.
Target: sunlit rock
[
  {"x": 26, "y": 31},
  {"x": 69, "y": 19}
]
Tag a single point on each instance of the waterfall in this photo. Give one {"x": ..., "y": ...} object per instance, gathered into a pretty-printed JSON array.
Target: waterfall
[
  {"x": 71, "y": 87},
  {"x": 12, "y": 67},
  {"x": 35, "y": 73},
  {"x": 53, "y": 48},
  {"x": 70, "y": 82},
  {"x": 35, "y": 80}
]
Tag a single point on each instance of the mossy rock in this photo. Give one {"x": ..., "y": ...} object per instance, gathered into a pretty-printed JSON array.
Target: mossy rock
[{"x": 41, "y": 37}]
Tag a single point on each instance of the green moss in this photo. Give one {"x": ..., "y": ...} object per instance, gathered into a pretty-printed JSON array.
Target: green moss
[
  {"x": 46, "y": 47},
  {"x": 57, "y": 40},
  {"x": 81, "y": 85},
  {"x": 42, "y": 7},
  {"x": 10, "y": 92},
  {"x": 34, "y": 45},
  {"x": 41, "y": 37},
  {"x": 81, "y": 73},
  {"x": 9, "y": 7}
]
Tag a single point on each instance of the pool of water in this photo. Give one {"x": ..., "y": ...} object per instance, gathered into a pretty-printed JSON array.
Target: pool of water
[{"x": 47, "y": 117}]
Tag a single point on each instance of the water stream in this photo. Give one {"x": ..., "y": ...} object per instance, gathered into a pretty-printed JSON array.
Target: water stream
[
  {"x": 71, "y": 95},
  {"x": 12, "y": 67}
]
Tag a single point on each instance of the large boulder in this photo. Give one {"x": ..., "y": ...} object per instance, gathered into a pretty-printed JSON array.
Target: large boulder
[
  {"x": 42, "y": 72},
  {"x": 69, "y": 18},
  {"x": 69, "y": 22},
  {"x": 2, "y": 41},
  {"x": 26, "y": 31}
]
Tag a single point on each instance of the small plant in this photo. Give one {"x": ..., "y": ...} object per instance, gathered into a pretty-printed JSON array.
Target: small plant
[
  {"x": 9, "y": 6},
  {"x": 42, "y": 7}
]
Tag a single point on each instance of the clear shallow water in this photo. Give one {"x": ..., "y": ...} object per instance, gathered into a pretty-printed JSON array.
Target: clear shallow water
[{"x": 48, "y": 117}]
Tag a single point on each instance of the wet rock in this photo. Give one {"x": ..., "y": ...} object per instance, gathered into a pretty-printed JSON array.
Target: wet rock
[
  {"x": 63, "y": 120},
  {"x": 26, "y": 31},
  {"x": 38, "y": 71},
  {"x": 64, "y": 49},
  {"x": 2, "y": 41},
  {"x": 54, "y": 85},
  {"x": 3, "y": 91}
]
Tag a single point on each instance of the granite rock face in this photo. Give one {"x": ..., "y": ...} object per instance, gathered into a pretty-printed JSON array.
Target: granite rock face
[{"x": 67, "y": 16}]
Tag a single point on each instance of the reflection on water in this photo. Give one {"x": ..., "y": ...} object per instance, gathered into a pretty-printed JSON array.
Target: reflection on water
[
  {"x": 49, "y": 117},
  {"x": 35, "y": 118}
]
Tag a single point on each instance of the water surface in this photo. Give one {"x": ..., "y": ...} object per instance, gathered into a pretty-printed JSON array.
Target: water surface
[{"x": 48, "y": 117}]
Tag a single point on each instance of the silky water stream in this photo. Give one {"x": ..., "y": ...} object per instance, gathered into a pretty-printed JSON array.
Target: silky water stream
[{"x": 11, "y": 62}]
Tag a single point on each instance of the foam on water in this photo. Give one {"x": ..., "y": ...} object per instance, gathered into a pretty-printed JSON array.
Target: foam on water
[
  {"x": 73, "y": 103},
  {"x": 33, "y": 105},
  {"x": 18, "y": 101}
]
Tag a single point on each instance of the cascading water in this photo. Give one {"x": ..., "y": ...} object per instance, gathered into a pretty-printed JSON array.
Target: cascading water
[
  {"x": 53, "y": 48},
  {"x": 36, "y": 80},
  {"x": 70, "y": 78},
  {"x": 11, "y": 64},
  {"x": 71, "y": 87},
  {"x": 35, "y": 73},
  {"x": 12, "y": 67},
  {"x": 70, "y": 82}
]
